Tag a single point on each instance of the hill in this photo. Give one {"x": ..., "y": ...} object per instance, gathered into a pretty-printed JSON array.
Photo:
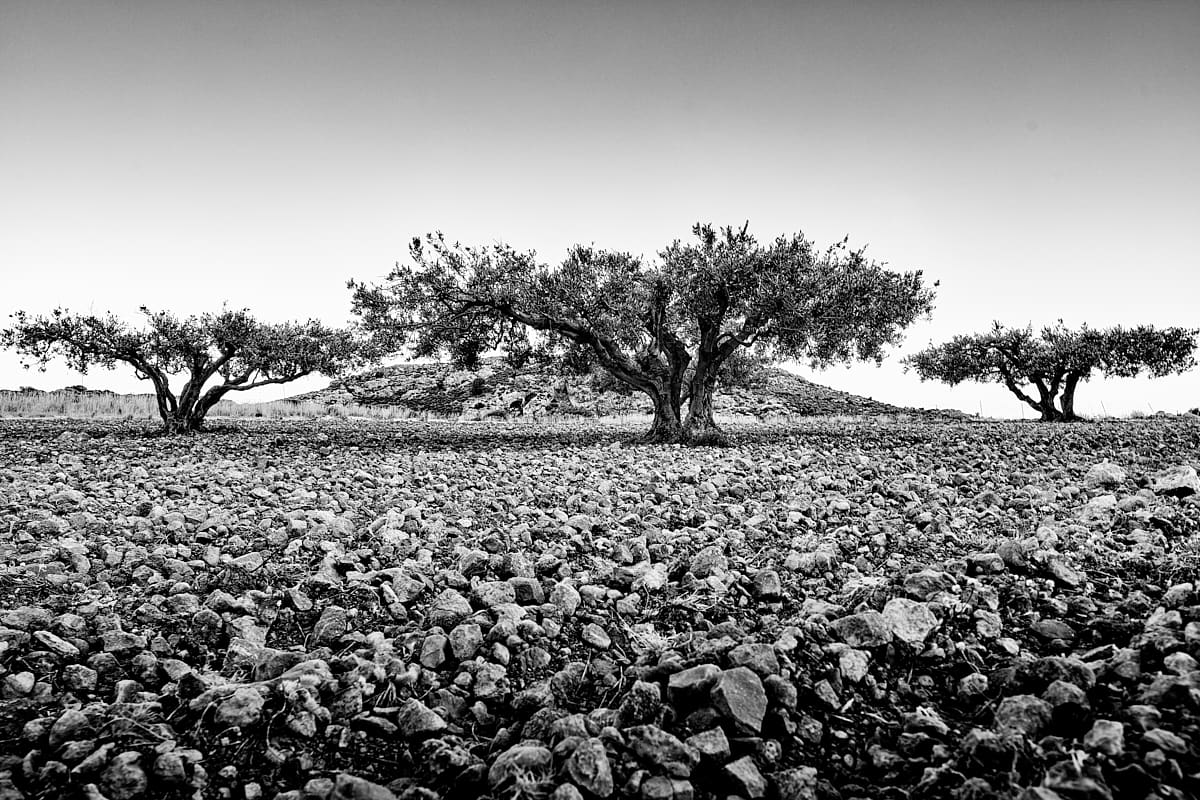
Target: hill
[{"x": 498, "y": 390}]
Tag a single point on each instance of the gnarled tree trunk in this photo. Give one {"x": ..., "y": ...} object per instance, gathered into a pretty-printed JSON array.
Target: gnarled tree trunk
[
  {"x": 1068, "y": 399},
  {"x": 665, "y": 428},
  {"x": 700, "y": 428}
]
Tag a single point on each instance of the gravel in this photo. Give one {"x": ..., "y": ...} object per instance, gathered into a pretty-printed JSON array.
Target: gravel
[{"x": 525, "y": 611}]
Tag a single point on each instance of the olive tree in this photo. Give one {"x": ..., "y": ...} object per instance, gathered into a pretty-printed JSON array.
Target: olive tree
[
  {"x": 786, "y": 297},
  {"x": 219, "y": 353},
  {"x": 667, "y": 329},
  {"x": 1045, "y": 370}
]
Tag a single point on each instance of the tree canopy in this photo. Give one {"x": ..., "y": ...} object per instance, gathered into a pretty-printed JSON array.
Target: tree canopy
[
  {"x": 1045, "y": 369},
  {"x": 229, "y": 351},
  {"x": 664, "y": 328}
]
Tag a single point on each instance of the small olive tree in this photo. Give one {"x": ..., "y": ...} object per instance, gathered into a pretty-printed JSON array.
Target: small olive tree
[
  {"x": 1044, "y": 371},
  {"x": 218, "y": 353}
]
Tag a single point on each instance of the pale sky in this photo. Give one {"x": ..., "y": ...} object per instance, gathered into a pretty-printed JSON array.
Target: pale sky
[{"x": 1040, "y": 159}]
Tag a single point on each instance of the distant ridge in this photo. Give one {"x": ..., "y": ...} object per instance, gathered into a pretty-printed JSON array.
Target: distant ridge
[{"x": 498, "y": 390}]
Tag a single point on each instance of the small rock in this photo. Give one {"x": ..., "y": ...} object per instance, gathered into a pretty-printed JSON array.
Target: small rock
[
  {"x": 854, "y": 664},
  {"x": 448, "y": 609},
  {"x": 588, "y": 767},
  {"x": 331, "y": 626},
  {"x": 416, "y": 720},
  {"x": 241, "y": 709},
  {"x": 711, "y": 744},
  {"x": 1024, "y": 713},
  {"x": 746, "y": 778},
  {"x": 124, "y": 778},
  {"x": 596, "y": 636},
  {"x": 767, "y": 585},
  {"x": 350, "y": 787},
  {"x": 465, "y": 640},
  {"x": 739, "y": 695},
  {"x": 532, "y": 763},
  {"x": 868, "y": 629},
  {"x": 1107, "y": 737},
  {"x": 908, "y": 620}
]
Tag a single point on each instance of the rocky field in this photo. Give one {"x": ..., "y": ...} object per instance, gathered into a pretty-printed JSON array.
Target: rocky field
[{"x": 421, "y": 610}]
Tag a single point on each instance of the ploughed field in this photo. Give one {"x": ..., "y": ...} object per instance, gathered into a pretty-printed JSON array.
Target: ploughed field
[{"x": 375, "y": 610}]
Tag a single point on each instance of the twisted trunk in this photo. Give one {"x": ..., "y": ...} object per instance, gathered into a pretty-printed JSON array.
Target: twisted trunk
[
  {"x": 1068, "y": 399},
  {"x": 700, "y": 428},
  {"x": 665, "y": 427}
]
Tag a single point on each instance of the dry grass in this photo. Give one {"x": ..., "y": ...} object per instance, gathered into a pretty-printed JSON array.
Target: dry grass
[{"x": 75, "y": 405}]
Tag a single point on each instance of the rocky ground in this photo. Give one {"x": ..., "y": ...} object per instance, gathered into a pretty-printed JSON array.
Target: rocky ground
[
  {"x": 498, "y": 391},
  {"x": 420, "y": 610}
]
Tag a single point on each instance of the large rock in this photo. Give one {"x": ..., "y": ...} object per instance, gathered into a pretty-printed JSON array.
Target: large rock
[
  {"x": 1178, "y": 481},
  {"x": 1104, "y": 475}
]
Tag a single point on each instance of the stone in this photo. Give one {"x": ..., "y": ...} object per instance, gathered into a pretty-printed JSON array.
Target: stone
[
  {"x": 119, "y": 642},
  {"x": 70, "y": 725},
  {"x": 1024, "y": 713},
  {"x": 588, "y": 767},
  {"x": 709, "y": 561},
  {"x": 448, "y": 609},
  {"x": 799, "y": 783},
  {"x": 692, "y": 683},
  {"x": 1180, "y": 481},
  {"x": 657, "y": 747},
  {"x": 331, "y": 625},
  {"x": 929, "y": 583},
  {"x": 712, "y": 744},
  {"x": 767, "y": 585},
  {"x": 566, "y": 598},
  {"x": 985, "y": 563},
  {"x": 241, "y": 709},
  {"x": 489, "y": 594},
  {"x": 124, "y": 779},
  {"x": 465, "y": 640},
  {"x": 529, "y": 761},
  {"x": 759, "y": 657},
  {"x": 854, "y": 664},
  {"x": 1166, "y": 741},
  {"x": 867, "y": 629},
  {"x": 745, "y": 776},
  {"x": 909, "y": 621},
  {"x": 56, "y": 644},
  {"x": 351, "y": 787},
  {"x": 1104, "y": 475},
  {"x": 433, "y": 650},
  {"x": 1106, "y": 736},
  {"x": 417, "y": 720},
  {"x": 642, "y": 704},
  {"x": 739, "y": 695},
  {"x": 596, "y": 636},
  {"x": 1050, "y": 629}
]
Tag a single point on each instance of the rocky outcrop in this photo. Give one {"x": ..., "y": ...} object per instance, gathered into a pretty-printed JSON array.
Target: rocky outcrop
[{"x": 496, "y": 390}]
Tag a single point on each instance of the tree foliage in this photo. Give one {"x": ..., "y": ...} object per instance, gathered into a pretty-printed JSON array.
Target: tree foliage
[
  {"x": 667, "y": 328},
  {"x": 1045, "y": 369},
  {"x": 229, "y": 351}
]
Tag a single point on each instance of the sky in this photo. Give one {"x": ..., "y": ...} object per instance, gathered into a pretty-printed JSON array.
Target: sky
[{"x": 1041, "y": 160}]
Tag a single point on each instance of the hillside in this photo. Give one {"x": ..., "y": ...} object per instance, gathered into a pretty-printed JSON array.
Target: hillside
[{"x": 497, "y": 390}]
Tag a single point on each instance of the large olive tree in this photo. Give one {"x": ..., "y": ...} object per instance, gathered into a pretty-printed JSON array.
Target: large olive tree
[{"x": 665, "y": 328}]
